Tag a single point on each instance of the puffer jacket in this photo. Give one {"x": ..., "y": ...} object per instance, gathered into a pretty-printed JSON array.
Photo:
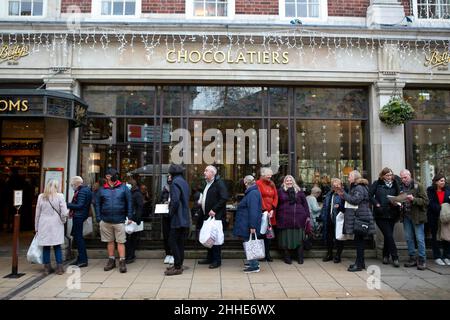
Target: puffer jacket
[
  {"x": 113, "y": 204},
  {"x": 82, "y": 204},
  {"x": 358, "y": 195},
  {"x": 378, "y": 194}
]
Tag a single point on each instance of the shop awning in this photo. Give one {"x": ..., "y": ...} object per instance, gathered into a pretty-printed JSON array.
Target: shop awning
[{"x": 42, "y": 103}]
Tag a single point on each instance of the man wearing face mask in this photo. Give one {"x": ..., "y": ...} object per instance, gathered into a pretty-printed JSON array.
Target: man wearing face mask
[
  {"x": 79, "y": 212},
  {"x": 112, "y": 206}
]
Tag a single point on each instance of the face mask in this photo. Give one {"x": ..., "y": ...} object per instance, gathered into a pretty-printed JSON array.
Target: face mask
[
  {"x": 114, "y": 178},
  {"x": 74, "y": 188}
]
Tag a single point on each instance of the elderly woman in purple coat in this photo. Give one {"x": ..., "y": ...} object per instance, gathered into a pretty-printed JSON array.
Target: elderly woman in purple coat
[{"x": 292, "y": 213}]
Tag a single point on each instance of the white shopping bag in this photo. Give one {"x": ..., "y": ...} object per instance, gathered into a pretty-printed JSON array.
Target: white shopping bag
[
  {"x": 208, "y": 233},
  {"x": 264, "y": 222},
  {"x": 35, "y": 252},
  {"x": 133, "y": 227},
  {"x": 340, "y": 235},
  {"x": 88, "y": 227},
  {"x": 254, "y": 249},
  {"x": 220, "y": 235}
]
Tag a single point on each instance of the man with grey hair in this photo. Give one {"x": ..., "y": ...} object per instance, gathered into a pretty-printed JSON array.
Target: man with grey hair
[
  {"x": 213, "y": 203},
  {"x": 414, "y": 214},
  {"x": 79, "y": 212}
]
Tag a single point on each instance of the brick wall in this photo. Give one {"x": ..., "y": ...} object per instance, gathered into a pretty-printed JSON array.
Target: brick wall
[
  {"x": 163, "y": 6},
  {"x": 348, "y": 8},
  {"x": 85, "y": 5},
  {"x": 269, "y": 7}
]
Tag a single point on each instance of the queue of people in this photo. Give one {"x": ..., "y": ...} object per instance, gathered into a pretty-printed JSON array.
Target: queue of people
[{"x": 386, "y": 201}]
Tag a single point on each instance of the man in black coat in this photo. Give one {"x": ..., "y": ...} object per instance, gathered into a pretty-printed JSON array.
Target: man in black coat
[
  {"x": 213, "y": 202},
  {"x": 137, "y": 200},
  {"x": 79, "y": 212}
]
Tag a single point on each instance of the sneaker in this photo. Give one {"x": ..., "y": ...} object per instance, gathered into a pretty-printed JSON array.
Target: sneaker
[
  {"x": 171, "y": 260},
  {"x": 396, "y": 263},
  {"x": 111, "y": 264},
  {"x": 447, "y": 261},
  {"x": 440, "y": 262},
  {"x": 251, "y": 270},
  {"x": 167, "y": 260},
  {"x": 412, "y": 262}
]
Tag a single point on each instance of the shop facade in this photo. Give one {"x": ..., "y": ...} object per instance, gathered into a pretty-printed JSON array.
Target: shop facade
[{"x": 315, "y": 94}]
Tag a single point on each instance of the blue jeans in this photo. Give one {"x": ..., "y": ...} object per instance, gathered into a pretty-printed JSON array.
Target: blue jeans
[
  {"x": 412, "y": 229},
  {"x": 77, "y": 233},
  {"x": 58, "y": 254}
]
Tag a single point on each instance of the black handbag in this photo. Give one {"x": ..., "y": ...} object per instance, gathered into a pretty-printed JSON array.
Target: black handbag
[{"x": 361, "y": 226}]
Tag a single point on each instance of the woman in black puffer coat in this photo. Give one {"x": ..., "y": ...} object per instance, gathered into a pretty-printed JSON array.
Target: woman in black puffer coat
[
  {"x": 386, "y": 213},
  {"x": 357, "y": 196}
]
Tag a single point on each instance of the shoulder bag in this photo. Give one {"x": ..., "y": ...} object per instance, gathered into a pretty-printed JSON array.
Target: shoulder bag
[{"x": 63, "y": 220}]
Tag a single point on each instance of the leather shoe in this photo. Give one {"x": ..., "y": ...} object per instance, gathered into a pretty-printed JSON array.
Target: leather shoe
[
  {"x": 354, "y": 268},
  {"x": 204, "y": 261},
  {"x": 385, "y": 260},
  {"x": 82, "y": 265},
  {"x": 327, "y": 258},
  {"x": 214, "y": 265},
  {"x": 269, "y": 259},
  {"x": 337, "y": 259}
]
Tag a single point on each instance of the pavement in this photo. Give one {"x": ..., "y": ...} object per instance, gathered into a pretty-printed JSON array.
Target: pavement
[{"x": 145, "y": 280}]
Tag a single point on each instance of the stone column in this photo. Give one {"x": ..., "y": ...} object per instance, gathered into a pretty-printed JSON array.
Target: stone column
[
  {"x": 387, "y": 147},
  {"x": 389, "y": 12}
]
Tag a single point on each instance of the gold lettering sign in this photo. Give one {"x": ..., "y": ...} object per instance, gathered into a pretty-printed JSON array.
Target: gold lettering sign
[
  {"x": 437, "y": 59},
  {"x": 14, "y": 52},
  {"x": 209, "y": 56},
  {"x": 11, "y": 105}
]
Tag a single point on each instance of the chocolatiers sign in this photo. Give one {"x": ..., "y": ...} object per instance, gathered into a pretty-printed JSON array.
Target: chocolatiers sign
[{"x": 13, "y": 52}]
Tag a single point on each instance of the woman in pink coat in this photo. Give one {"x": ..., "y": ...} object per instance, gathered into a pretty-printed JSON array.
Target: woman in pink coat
[{"x": 51, "y": 214}]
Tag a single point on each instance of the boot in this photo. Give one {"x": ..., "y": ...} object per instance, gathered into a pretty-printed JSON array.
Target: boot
[
  {"x": 300, "y": 252},
  {"x": 48, "y": 269},
  {"x": 421, "y": 265},
  {"x": 287, "y": 257},
  {"x": 329, "y": 256},
  {"x": 395, "y": 262},
  {"x": 111, "y": 264},
  {"x": 122, "y": 266},
  {"x": 337, "y": 258},
  {"x": 268, "y": 257},
  {"x": 59, "y": 269},
  {"x": 412, "y": 262}
]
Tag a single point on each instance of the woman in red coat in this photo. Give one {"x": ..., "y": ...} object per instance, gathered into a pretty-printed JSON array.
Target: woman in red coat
[{"x": 269, "y": 197}]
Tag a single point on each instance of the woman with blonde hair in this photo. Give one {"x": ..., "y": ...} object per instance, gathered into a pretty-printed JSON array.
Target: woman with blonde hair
[
  {"x": 51, "y": 214},
  {"x": 292, "y": 212}
]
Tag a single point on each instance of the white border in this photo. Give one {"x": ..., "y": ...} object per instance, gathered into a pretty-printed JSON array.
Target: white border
[
  {"x": 189, "y": 10},
  {"x": 323, "y": 12}
]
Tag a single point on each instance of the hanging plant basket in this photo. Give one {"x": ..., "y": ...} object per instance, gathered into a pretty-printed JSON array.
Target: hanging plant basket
[{"x": 396, "y": 112}]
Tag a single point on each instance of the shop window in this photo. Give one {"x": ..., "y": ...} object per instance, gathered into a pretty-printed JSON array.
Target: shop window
[
  {"x": 429, "y": 104},
  {"x": 432, "y": 9},
  {"x": 209, "y": 8},
  {"x": 120, "y": 100},
  {"x": 278, "y": 102},
  {"x": 329, "y": 149},
  {"x": 225, "y": 101},
  {"x": 26, "y": 8},
  {"x": 303, "y": 9},
  {"x": 430, "y": 151},
  {"x": 170, "y": 101},
  {"x": 331, "y": 103}
]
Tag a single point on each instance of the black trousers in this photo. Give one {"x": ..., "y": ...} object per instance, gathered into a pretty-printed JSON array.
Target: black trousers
[
  {"x": 387, "y": 229},
  {"x": 331, "y": 238},
  {"x": 267, "y": 243},
  {"x": 166, "y": 232},
  {"x": 215, "y": 254},
  {"x": 433, "y": 224},
  {"x": 359, "y": 242},
  {"x": 131, "y": 245},
  {"x": 177, "y": 237}
]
